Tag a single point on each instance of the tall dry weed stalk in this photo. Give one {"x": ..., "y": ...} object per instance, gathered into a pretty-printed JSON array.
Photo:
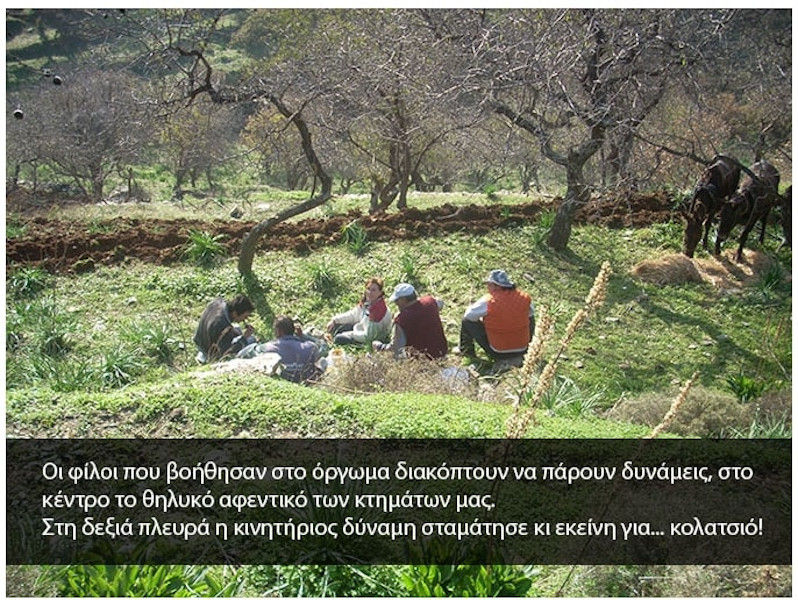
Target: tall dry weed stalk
[
  {"x": 674, "y": 409},
  {"x": 518, "y": 422}
]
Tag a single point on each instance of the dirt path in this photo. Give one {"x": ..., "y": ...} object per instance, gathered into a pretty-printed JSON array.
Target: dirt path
[{"x": 72, "y": 246}]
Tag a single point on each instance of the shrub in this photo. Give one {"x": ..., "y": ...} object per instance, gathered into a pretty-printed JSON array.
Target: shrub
[
  {"x": 324, "y": 279},
  {"x": 354, "y": 237},
  {"x": 324, "y": 581},
  {"x": 155, "y": 339},
  {"x": 28, "y": 281},
  {"x": 63, "y": 375},
  {"x": 382, "y": 372},
  {"x": 119, "y": 366},
  {"x": 745, "y": 388},
  {"x": 204, "y": 249},
  {"x": 141, "y": 581},
  {"x": 705, "y": 413},
  {"x": 468, "y": 580},
  {"x": 565, "y": 399}
]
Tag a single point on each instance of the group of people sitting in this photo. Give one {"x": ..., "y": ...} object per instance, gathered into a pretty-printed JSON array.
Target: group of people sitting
[{"x": 501, "y": 322}]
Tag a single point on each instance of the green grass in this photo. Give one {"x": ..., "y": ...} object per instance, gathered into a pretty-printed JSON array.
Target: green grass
[
  {"x": 243, "y": 404},
  {"x": 645, "y": 338}
]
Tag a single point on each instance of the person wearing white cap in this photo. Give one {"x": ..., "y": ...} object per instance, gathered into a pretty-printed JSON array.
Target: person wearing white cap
[
  {"x": 502, "y": 322},
  {"x": 417, "y": 328}
]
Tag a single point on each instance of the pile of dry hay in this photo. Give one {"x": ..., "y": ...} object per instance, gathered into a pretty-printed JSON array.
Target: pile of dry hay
[{"x": 722, "y": 272}]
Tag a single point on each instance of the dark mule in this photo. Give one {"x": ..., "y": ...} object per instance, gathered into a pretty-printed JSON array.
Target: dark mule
[
  {"x": 750, "y": 204},
  {"x": 718, "y": 182}
]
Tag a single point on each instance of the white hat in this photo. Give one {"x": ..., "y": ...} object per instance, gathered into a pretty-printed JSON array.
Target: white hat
[
  {"x": 500, "y": 278},
  {"x": 403, "y": 290}
]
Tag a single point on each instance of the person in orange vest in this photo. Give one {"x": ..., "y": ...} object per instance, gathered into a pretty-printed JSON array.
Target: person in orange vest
[{"x": 502, "y": 322}]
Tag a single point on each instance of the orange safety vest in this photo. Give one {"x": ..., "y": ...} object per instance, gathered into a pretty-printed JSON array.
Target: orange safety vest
[{"x": 507, "y": 320}]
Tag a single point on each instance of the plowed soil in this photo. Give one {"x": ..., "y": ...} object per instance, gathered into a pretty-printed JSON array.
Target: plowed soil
[{"x": 70, "y": 246}]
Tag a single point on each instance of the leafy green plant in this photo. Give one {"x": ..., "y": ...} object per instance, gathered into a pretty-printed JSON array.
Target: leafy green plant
[
  {"x": 322, "y": 581},
  {"x": 28, "y": 281},
  {"x": 51, "y": 328},
  {"x": 408, "y": 268},
  {"x": 468, "y": 580},
  {"x": 355, "y": 237},
  {"x": 142, "y": 581},
  {"x": 15, "y": 229},
  {"x": 772, "y": 278},
  {"x": 747, "y": 389},
  {"x": 95, "y": 226},
  {"x": 63, "y": 375},
  {"x": 764, "y": 427},
  {"x": 155, "y": 339},
  {"x": 119, "y": 366},
  {"x": 565, "y": 399},
  {"x": 543, "y": 226},
  {"x": 324, "y": 279},
  {"x": 204, "y": 249},
  {"x": 489, "y": 189}
]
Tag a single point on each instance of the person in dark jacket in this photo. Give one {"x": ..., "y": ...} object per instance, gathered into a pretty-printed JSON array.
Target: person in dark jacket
[
  {"x": 217, "y": 336},
  {"x": 417, "y": 328}
]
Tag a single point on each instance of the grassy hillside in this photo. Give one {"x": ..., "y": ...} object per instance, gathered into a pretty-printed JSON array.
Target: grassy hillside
[
  {"x": 243, "y": 405},
  {"x": 109, "y": 354},
  {"x": 122, "y": 326}
]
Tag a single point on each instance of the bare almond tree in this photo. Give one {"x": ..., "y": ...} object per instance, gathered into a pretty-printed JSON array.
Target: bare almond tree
[
  {"x": 89, "y": 128},
  {"x": 178, "y": 45},
  {"x": 575, "y": 79}
]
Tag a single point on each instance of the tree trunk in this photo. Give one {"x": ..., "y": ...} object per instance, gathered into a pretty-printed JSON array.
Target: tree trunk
[
  {"x": 97, "y": 181},
  {"x": 291, "y": 178},
  {"x": 177, "y": 190},
  {"x": 250, "y": 241},
  {"x": 374, "y": 203},
  {"x": 387, "y": 196},
  {"x": 382, "y": 194},
  {"x": 418, "y": 181},
  {"x": 575, "y": 196},
  {"x": 404, "y": 176},
  {"x": 35, "y": 176},
  {"x": 401, "y": 204},
  {"x": 15, "y": 177},
  {"x": 615, "y": 165},
  {"x": 346, "y": 183}
]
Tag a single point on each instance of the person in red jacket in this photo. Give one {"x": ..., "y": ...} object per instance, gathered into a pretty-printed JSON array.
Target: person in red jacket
[
  {"x": 417, "y": 328},
  {"x": 502, "y": 322}
]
